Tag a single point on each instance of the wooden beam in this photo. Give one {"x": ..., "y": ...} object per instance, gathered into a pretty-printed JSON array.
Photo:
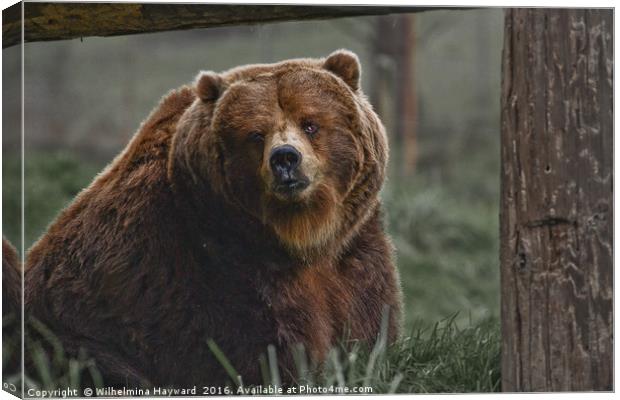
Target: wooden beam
[{"x": 58, "y": 21}]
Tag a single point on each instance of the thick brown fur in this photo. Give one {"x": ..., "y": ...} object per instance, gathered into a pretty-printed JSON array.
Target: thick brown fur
[{"x": 180, "y": 240}]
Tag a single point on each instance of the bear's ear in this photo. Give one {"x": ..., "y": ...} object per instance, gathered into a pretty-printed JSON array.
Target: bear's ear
[
  {"x": 345, "y": 65},
  {"x": 208, "y": 86}
]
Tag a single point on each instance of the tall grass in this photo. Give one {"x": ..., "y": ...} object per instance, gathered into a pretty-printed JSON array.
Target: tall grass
[
  {"x": 442, "y": 358},
  {"x": 47, "y": 366}
]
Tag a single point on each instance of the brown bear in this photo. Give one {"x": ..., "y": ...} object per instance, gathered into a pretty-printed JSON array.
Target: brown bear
[{"x": 245, "y": 210}]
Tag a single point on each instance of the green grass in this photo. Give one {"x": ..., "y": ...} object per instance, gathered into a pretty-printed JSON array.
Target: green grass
[
  {"x": 52, "y": 180},
  {"x": 48, "y": 367},
  {"x": 442, "y": 358},
  {"x": 447, "y": 251}
]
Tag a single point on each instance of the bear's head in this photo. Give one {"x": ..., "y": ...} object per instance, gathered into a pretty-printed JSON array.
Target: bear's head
[{"x": 295, "y": 145}]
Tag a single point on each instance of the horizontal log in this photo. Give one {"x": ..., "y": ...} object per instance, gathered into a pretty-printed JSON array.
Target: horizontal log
[{"x": 58, "y": 21}]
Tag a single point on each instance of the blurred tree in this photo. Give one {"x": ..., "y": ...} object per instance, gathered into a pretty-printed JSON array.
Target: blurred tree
[
  {"x": 557, "y": 200},
  {"x": 483, "y": 65},
  {"x": 393, "y": 72}
]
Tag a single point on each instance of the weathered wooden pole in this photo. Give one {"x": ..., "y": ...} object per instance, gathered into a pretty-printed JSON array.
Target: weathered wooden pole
[{"x": 557, "y": 207}]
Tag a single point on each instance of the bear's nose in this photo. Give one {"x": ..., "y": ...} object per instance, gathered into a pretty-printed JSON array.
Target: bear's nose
[{"x": 284, "y": 160}]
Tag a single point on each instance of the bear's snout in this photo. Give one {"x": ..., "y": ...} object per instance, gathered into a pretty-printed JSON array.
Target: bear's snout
[{"x": 284, "y": 162}]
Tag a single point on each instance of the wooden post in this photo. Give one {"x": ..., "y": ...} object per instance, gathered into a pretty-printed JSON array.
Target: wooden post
[{"x": 557, "y": 209}]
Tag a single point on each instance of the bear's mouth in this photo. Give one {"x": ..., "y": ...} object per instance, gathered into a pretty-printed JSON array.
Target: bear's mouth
[{"x": 291, "y": 188}]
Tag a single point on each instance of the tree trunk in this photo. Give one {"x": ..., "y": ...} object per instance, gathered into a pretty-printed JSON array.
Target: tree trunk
[
  {"x": 556, "y": 209},
  {"x": 406, "y": 106},
  {"x": 393, "y": 92}
]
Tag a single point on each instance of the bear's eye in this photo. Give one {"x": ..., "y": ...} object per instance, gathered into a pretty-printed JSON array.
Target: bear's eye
[
  {"x": 256, "y": 137},
  {"x": 310, "y": 128}
]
